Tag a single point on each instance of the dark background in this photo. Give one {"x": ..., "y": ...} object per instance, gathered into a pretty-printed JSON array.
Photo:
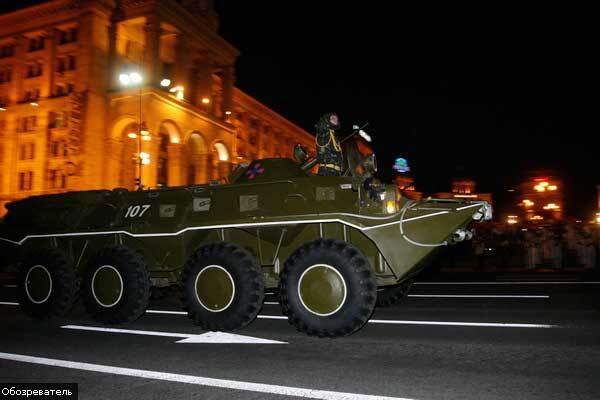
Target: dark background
[{"x": 490, "y": 94}]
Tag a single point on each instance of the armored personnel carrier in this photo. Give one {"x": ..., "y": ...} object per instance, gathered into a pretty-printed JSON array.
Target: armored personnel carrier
[{"x": 329, "y": 245}]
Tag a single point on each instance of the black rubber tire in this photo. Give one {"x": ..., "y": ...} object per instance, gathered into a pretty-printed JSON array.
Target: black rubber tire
[
  {"x": 136, "y": 285},
  {"x": 360, "y": 282},
  {"x": 247, "y": 279},
  {"x": 65, "y": 285},
  {"x": 392, "y": 295}
]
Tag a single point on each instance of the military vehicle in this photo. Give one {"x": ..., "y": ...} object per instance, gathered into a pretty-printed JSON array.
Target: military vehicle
[{"x": 329, "y": 245}]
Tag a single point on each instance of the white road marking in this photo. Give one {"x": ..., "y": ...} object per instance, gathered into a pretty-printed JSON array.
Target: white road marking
[
  {"x": 466, "y": 296},
  {"x": 508, "y": 283},
  {"x": 8, "y": 303},
  {"x": 482, "y": 296},
  {"x": 166, "y": 312},
  {"x": 196, "y": 380},
  {"x": 452, "y": 323},
  {"x": 10, "y": 286},
  {"x": 208, "y": 337},
  {"x": 386, "y": 321},
  {"x": 442, "y": 323}
]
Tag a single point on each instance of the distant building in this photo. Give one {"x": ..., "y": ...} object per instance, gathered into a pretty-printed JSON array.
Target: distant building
[
  {"x": 81, "y": 82},
  {"x": 406, "y": 183},
  {"x": 540, "y": 198},
  {"x": 464, "y": 189}
]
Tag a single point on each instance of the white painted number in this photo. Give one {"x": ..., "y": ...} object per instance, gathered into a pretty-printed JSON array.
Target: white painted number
[{"x": 136, "y": 211}]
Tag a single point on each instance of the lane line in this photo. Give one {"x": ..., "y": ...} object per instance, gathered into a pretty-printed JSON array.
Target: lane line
[
  {"x": 453, "y": 323},
  {"x": 10, "y": 286},
  {"x": 508, "y": 283},
  {"x": 196, "y": 380},
  {"x": 482, "y": 296},
  {"x": 8, "y": 303},
  {"x": 388, "y": 321},
  {"x": 271, "y": 302}
]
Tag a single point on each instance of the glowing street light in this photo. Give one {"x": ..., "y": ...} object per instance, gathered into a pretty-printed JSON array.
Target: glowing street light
[
  {"x": 131, "y": 78},
  {"x": 512, "y": 219},
  {"x": 205, "y": 100},
  {"x": 165, "y": 82}
]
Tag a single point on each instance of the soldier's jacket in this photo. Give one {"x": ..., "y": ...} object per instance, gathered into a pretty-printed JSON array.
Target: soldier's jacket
[{"x": 329, "y": 152}]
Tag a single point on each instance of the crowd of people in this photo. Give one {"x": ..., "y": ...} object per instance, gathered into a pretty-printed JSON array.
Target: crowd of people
[{"x": 554, "y": 246}]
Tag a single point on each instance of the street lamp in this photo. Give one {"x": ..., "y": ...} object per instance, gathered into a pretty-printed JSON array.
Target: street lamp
[{"x": 134, "y": 78}]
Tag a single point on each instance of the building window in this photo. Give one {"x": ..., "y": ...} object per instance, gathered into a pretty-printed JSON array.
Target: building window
[
  {"x": 56, "y": 179},
  {"x": 34, "y": 69},
  {"x": 27, "y": 124},
  {"x": 31, "y": 95},
  {"x": 37, "y": 43},
  {"x": 25, "y": 180},
  {"x": 68, "y": 63},
  {"x": 5, "y": 74},
  {"x": 7, "y": 50},
  {"x": 68, "y": 36},
  {"x": 57, "y": 119},
  {"x": 58, "y": 148},
  {"x": 27, "y": 151}
]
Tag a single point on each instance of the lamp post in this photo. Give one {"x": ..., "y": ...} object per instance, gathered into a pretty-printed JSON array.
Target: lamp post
[{"x": 135, "y": 79}]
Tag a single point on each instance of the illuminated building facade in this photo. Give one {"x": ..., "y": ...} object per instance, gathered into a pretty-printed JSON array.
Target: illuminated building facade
[
  {"x": 541, "y": 199},
  {"x": 464, "y": 189},
  {"x": 406, "y": 183},
  {"x": 92, "y": 91}
]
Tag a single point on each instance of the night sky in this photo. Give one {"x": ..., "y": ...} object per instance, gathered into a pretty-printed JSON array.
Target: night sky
[{"x": 489, "y": 94}]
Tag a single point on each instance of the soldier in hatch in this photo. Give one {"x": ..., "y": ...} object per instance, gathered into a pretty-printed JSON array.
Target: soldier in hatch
[{"x": 329, "y": 150}]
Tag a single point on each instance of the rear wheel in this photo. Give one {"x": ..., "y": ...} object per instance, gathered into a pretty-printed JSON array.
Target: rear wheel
[
  {"x": 328, "y": 288},
  {"x": 116, "y": 285},
  {"x": 47, "y": 285},
  {"x": 224, "y": 288},
  {"x": 389, "y": 296}
]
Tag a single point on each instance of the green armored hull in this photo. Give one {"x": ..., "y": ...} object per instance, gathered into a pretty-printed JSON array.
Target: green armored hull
[{"x": 325, "y": 243}]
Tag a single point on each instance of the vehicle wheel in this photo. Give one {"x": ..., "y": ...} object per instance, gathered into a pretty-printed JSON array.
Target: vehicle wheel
[
  {"x": 224, "y": 288},
  {"x": 47, "y": 285},
  {"x": 328, "y": 288},
  {"x": 116, "y": 285},
  {"x": 389, "y": 296}
]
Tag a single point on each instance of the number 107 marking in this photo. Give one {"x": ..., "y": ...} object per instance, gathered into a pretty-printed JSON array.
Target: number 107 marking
[{"x": 136, "y": 211}]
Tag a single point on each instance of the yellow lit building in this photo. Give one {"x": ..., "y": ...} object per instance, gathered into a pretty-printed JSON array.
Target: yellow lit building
[
  {"x": 464, "y": 189},
  {"x": 82, "y": 83},
  {"x": 541, "y": 199}
]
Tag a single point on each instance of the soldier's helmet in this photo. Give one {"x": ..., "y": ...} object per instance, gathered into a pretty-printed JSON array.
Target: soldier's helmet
[{"x": 329, "y": 120}]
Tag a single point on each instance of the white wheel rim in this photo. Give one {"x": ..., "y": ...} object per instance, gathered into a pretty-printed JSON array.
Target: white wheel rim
[
  {"x": 27, "y": 284},
  {"x": 120, "y": 281},
  {"x": 196, "y": 285},
  {"x": 341, "y": 278}
]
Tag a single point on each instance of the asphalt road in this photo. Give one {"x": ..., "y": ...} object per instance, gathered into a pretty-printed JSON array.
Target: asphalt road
[{"x": 544, "y": 345}]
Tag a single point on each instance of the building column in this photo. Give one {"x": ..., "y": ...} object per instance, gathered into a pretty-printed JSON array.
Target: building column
[
  {"x": 19, "y": 70},
  {"x": 228, "y": 80},
  {"x": 261, "y": 137},
  {"x": 176, "y": 170},
  {"x": 181, "y": 67},
  {"x": 112, "y": 157},
  {"x": 152, "y": 63},
  {"x": 111, "y": 71},
  {"x": 204, "y": 70},
  {"x": 51, "y": 62},
  {"x": 223, "y": 169}
]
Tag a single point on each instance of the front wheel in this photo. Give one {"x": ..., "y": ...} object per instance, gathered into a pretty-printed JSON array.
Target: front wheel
[{"x": 328, "y": 288}]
